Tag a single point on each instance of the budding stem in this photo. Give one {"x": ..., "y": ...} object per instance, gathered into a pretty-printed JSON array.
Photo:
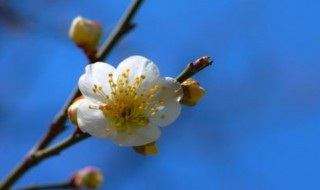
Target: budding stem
[
  {"x": 194, "y": 68},
  {"x": 63, "y": 185},
  {"x": 40, "y": 151},
  {"x": 58, "y": 125}
]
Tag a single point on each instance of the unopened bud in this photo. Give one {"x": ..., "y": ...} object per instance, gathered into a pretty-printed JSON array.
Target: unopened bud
[
  {"x": 202, "y": 62},
  {"x": 192, "y": 92},
  {"x": 88, "y": 177},
  {"x": 148, "y": 149},
  {"x": 85, "y": 33},
  {"x": 73, "y": 109}
]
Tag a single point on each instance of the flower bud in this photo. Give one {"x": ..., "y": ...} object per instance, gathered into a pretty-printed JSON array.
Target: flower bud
[
  {"x": 192, "y": 92},
  {"x": 88, "y": 177},
  {"x": 85, "y": 33},
  {"x": 72, "y": 110},
  {"x": 148, "y": 149}
]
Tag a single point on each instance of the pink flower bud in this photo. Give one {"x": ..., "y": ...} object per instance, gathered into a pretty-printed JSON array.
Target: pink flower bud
[{"x": 88, "y": 177}]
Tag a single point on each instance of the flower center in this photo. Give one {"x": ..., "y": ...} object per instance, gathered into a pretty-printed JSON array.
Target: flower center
[{"x": 129, "y": 105}]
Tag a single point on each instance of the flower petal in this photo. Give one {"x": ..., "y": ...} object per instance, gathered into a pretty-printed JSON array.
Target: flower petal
[
  {"x": 166, "y": 114},
  {"x": 170, "y": 94},
  {"x": 170, "y": 89},
  {"x": 96, "y": 74},
  {"x": 141, "y": 136},
  {"x": 138, "y": 66},
  {"x": 92, "y": 121}
]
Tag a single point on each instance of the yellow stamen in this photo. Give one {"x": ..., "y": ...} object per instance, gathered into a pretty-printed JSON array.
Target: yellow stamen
[{"x": 126, "y": 106}]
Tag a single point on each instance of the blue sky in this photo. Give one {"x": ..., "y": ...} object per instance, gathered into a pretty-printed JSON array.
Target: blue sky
[{"x": 256, "y": 128}]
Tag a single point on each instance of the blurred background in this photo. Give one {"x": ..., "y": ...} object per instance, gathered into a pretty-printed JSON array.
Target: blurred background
[{"x": 256, "y": 128}]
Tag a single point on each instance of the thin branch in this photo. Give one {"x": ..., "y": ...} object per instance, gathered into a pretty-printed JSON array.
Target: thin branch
[
  {"x": 76, "y": 137},
  {"x": 39, "y": 153},
  {"x": 64, "y": 185},
  {"x": 193, "y": 68},
  {"x": 57, "y": 126},
  {"x": 123, "y": 27}
]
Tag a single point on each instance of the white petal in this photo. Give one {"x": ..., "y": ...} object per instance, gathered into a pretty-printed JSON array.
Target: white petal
[
  {"x": 96, "y": 74},
  {"x": 141, "y": 136},
  {"x": 166, "y": 114},
  {"x": 170, "y": 89},
  {"x": 138, "y": 66},
  {"x": 92, "y": 121},
  {"x": 170, "y": 93}
]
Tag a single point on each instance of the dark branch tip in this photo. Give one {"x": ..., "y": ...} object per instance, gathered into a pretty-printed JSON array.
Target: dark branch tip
[{"x": 202, "y": 62}]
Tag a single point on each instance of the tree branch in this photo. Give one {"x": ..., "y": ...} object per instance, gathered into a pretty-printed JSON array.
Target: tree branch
[
  {"x": 58, "y": 125},
  {"x": 76, "y": 137},
  {"x": 49, "y": 186},
  {"x": 123, "y": 27}
]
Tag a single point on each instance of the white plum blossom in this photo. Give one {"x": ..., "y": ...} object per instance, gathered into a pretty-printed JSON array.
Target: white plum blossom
[{"x": 127, "y": 104}]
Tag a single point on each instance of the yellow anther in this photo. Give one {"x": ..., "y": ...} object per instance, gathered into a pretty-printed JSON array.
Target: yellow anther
[
  {"x": 124, "y": 75},
  {"x": 137, "y": 80},
  {"x": 128, "y": 105},
  {"x": 90, "y": 107},
  {"x": 162, "y": 116},
  {"x": 95, "y": 86}
]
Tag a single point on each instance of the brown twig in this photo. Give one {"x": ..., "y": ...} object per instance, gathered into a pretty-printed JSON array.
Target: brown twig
[
  {"x": 78, "y": 136},
  {"x": 58, "y": 125},
  {"x": 194, "y": 68},
  {"x": 49, "y": 186}
]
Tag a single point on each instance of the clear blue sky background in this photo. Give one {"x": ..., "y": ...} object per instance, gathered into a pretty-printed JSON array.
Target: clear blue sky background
[{"x": 256, "y": 128}]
